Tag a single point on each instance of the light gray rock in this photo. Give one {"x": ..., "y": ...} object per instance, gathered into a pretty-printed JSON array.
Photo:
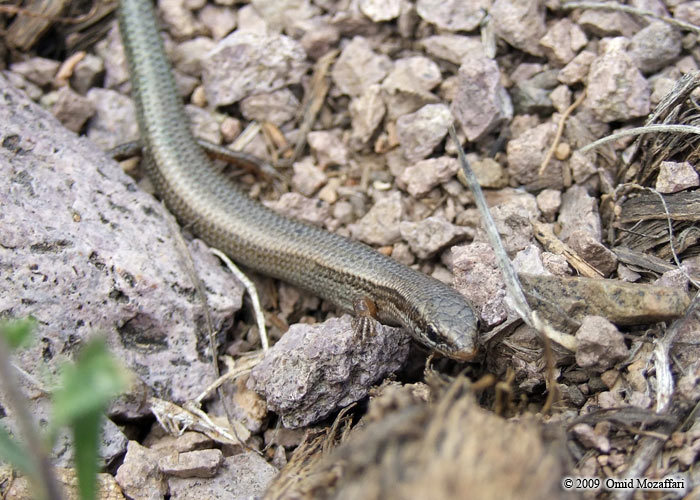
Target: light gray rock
[
  {"x": 549, "y": 201},
  {"x": 579, "y": 211},
  {"x": 593, "y": 251},
  {"x": 675, "y": 278},
  {"x": 85, "y": 251},
  {"x": 478, "y": 277},
  {"x": 195, "y": 4},
  {"x": 72, "y": 109},
  {"x": 532, "y": 96},
  {"x": 186, "y": 87},
  {"x": 562, "y": 41},
  {"x": 366, "y": 112},
  {"x": 285, "y": 15},
  {"x": 319, "y": 38},
  {"x": 112, "y": 441},
  {"x": 287, "y": 438},
  {"x": 87, "y": 73},
  {"x": 297, "y": 206},
  {"x": 556, "y": 264},
  {"x": 307, "y": 178},
  {"x": 316, "y": 369},
  {"x": 158, "y": 440},
  {"x": 577, "y": 69},
  {"x": 512, "y": 218},
  {"x": 275, "y": 107},
  {"x": 655, "y": 46},
  {"x": 249, "y": 19},
  {"x": 686, "y": 64},
  {"x": 481, "y": 104},
  {"x": 203, "y": 124},
  {"x": 38, "y": 70},
  {"x": 525, "y": 153},
  {"x": 197, "y": 463},
  {"x": 688, "y": 12},
  {"x": 616, "y": 89},
  {"x": 407, "y": 87},
  {"x": 380, "y": 226},
  {"x": 220, "y": 21},
  {"x": 139, "y": 476},
  {"x": 21, "y": 83},
  {"x": 420, "y": 132},
  {"x": 605, "y": 23},
  {"x": 452, "y": 48},
  {"x": 417, "y": 73},
  {"x": 328, "y": 147},
  {"x": 662, "y": 84},
  {"x": 676, "y": 176},
  {"x": 529, "y": 260},
  {"x": 587, "y": 436},
  {"x": 408, "y": 20},
  {"x": 600, "y": 344},
  {"x": 419, "y": 178},
  {"x": 111, "y": 51},
  {"x": 583, "y": 166},
  {"x": 624, "y": 273},
  {"x": 402, "y": 253},
  {"x": 358, "y": 67},
  {"x": 381, "y": 10},
  {"x": 343, "y": 212},
  {"x": 179, "y": 19},
  {"x": 689, "y": 388},
  {"x": 241, "y": 477},
  {"x": 329, "y": 192},
  {"x": 230, "y": 129},
  {"x": 453, "y": 15},
  {"x": 187, "y": 56},
  {"x": 247, "y": 62},
  {"x": 490, "y": 173},
  {"x": 429, "y": 236},
  {"x": 561, "y": 98},
  {"x": 520, "y": 23},
  {"x": 114, "y": 121}
]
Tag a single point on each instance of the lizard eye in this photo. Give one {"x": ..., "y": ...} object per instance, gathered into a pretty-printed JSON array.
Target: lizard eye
[{"x": 432, "y": 334}]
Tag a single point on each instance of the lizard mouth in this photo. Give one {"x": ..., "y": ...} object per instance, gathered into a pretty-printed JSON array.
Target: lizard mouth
[{"x": 459, "y": 355}]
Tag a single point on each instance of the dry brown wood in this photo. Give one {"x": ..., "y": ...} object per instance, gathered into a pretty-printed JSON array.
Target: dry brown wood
[
  {"x": 642, "y": 224},
  {"x": 553, "y": 244},
  {"x": 642, "y": 260},
  {"x": 313, "y": 100},
  {"x": 25, "y": 30},
  {"x": 683, "y": 206},
  {"x": 677, "y": 108}
]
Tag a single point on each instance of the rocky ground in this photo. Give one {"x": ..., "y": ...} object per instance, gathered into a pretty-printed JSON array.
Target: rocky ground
[{"x": 350, "y": 102}]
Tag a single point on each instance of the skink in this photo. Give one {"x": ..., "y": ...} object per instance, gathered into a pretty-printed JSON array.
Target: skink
[{"x": 335, "y": 268}]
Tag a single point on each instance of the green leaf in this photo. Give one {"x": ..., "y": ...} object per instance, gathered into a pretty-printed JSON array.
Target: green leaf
[
  {"x": 86, "y": 388},
  {"x": 15, "y": 454},
  {"x": 88, "y": 385},
  {"x": 86, "y": 433},
  {"x": 17, "y": 333}
]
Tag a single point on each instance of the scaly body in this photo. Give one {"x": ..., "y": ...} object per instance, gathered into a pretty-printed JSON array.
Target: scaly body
[{"x": 331, "y": 266}]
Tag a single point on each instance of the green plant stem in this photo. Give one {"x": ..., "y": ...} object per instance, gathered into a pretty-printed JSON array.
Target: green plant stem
[{"x": 17, "y": 406}]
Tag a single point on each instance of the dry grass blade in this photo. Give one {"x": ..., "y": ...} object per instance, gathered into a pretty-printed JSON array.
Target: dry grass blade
[
  {"x": 303, "y": 476},
  {"x": 510, "y": 278},
  {"x": 551, "y": 243},
  {"x": 176, "y": 420},
  {"x": 678, "y": 107},
  {"x": 313, "y": 100},
  {"x": 560, "y": 131}
]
